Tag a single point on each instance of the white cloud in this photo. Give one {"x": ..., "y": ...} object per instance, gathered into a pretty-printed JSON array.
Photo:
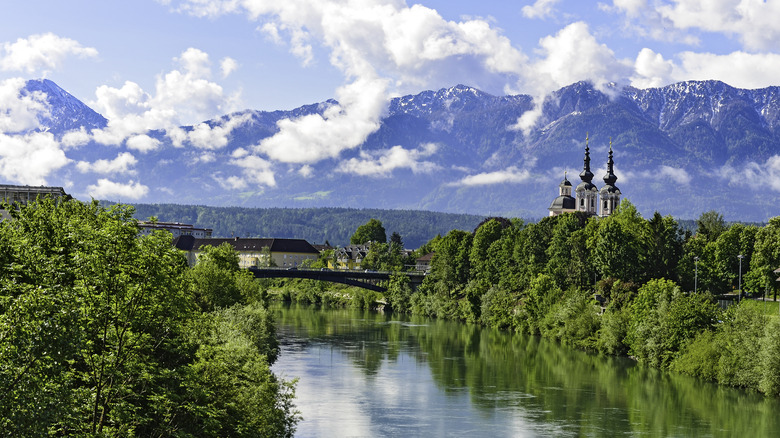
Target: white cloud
[
  {"x": 383, "y": 163},
  {"x": 205, "y": 136},
  {"x": 107, "y": 189},
  {"x": 767, "y": 172},
  {"x": 142, "y": 143},
  {"x": 380, "y": 47},
  {"x": 540, "y": 9},
  {"x": 572, "y": 55},
  {"x": 678, "y": 175},
  {"x": 29, "y": 159},
  {"x": 41, "y": 52},
  {"x": 753, "y": 22},
  {"x": 509, "y": 175},
  {"x": 75, "y": 138},
  {"x": 739, "y": 69},
  {"x": 256, "y": 170},
  {"x": 231, "y": 182},
  {"x": 122, "y": 164},
  {"x": 651, "y": 70},
  {"x": 19, "y": 110},
  {"x": 227, "y": 66},
  {"x": 306, "y": 171},
  {"x": 183, "y": 96}
]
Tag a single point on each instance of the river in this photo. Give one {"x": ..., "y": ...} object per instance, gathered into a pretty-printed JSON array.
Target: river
[{"x": 370, "y": 374}]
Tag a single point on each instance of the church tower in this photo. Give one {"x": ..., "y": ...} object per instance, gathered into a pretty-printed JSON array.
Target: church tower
[
  {"x": 610, "y": 194},
  {"x": 587, "y": 192},
  {"x": 565, "y": 202}
]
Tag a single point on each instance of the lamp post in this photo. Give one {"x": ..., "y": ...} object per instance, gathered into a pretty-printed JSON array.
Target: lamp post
[
  {"x": 696, "y": 274},
  {"x": 740, "y": 257}
]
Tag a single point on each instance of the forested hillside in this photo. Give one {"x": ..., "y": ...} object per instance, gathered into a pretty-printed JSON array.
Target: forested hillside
[{"x": 316, "y": 225}]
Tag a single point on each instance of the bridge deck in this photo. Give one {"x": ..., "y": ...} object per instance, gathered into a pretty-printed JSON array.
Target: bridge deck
[{"x": 366, "y": 279}]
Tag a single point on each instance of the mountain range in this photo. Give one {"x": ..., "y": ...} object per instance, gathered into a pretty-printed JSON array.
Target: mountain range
[{"x": 682, "y": 149}]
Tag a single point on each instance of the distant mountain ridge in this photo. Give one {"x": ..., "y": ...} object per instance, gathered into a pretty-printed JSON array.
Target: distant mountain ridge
[{"x": 681, "y": 149}]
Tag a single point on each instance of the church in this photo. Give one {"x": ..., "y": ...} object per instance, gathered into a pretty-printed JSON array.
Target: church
[{"x": 588, "y": 197}]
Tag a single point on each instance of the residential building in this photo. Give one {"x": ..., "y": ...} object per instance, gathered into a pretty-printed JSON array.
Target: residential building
[
  {"x": 175, "y": 228},
  {"x": 11, "y": 194},
  {"x": 253, "y": 252},
  {"x": 350, "y": 256}
]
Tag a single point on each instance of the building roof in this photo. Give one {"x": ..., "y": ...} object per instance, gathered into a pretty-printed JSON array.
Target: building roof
[
  {"x": 563, "y": 203},
  {"x": 190, "y": 243}
]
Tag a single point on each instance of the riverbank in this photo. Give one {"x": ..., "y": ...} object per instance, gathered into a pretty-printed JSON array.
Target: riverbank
[{"x": 661, "y": 327}]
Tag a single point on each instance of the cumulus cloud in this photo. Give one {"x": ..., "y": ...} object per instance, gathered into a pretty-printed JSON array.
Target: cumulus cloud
[
  {"x": 30, "y": 158},
  {"x": 19, "y": 110},
  {"x": 255, "y": 170},
  {"x": 227, "y": 66},
  {"x": 676, "y": 174},
  {"x": 75, "y": 138},
  {"x": 142, "y": 143},
  {"x": 383, "y": 163},
  {"x": 381, "y": 47},
  {"x": 738, "y": 69},
  {"x": 651, "y": 70},
  {"x": 181, "y": 96},
  {"x": 571, "y": 55},
  {"x": 767, "y": 172},
  {"x": 122, "y": 164},
  {"x": 231, "y": 182},
  {"x": 207, "y": 136},
  {"x": 509, "y": 175},
  {"x": 40, "y": 53},
  {"x": 753, "y": 22},
  {"x": 540, "y": 9},
  {"x": 107, "y": 189}
]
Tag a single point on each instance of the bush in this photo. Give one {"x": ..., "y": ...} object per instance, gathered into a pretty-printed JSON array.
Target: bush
[
  {"x": 498, "y": 308},
  {"x": 573, "y": 321}
]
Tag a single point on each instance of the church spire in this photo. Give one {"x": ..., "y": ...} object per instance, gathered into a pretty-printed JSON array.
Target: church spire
[
  {"x": 586, "y": 175},
  {"x": 610, "y": 178}
]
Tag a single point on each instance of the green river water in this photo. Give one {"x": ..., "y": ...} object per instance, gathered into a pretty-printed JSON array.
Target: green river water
[{"x": 364, "y": 373}]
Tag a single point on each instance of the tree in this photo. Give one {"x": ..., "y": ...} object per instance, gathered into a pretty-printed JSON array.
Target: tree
[
  {"x": 97, "y": 333},
  {"x": 710, "y": 225},
  {"x": 371, "y": 231},
  {"x": 665, "y": 241}
]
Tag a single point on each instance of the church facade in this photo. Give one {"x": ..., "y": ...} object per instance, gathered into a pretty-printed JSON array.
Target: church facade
[{"x": 589, "y": 199}]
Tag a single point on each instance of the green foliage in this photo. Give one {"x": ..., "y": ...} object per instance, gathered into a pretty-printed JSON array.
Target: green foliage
[
  {"x": 540, "y": 298},
  {"x": 498, "y": 308},
  {"x": 663, "y": 319},
  {"x": 710, "y": 225},
  {"x": 399, "y": 293},
  {"x": 371, "y": 231},
  {"x": 614, "y": 329},
  {"x": 230, "y": 388},
  {"x": 574, "y": 321},
  {"x": 95, "y": 330}
]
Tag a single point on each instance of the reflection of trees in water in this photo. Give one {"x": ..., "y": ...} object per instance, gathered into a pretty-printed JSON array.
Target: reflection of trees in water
[{"x": 600, "y": 394}]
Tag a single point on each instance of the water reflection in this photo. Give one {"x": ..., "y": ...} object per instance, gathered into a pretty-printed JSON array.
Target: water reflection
[{"x": 369, "y": 374}]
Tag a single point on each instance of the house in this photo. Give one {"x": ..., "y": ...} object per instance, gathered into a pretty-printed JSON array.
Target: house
[
  {"x": 253, "y": 252},
  {"x": 175, "y": 228},
  {"x": 11, "y": 194},
  {"x": 350, "y": 256},
  {"x": 424, "y": 262}
]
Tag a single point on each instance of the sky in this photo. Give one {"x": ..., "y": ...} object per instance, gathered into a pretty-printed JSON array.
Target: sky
[{"x": 161, "y": 64}]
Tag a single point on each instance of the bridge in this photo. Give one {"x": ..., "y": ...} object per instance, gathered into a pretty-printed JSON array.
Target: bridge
[{"x": 366, "y": 279}]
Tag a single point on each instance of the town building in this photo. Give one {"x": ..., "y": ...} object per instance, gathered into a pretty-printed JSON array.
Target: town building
[
  {"x": 588, "y": 197},
  {"x": 175, "y": 228},
  {"x": 350, "y": 256},
  {"x": 253, "y": 252},
  {"x": 10, "y": 194}
]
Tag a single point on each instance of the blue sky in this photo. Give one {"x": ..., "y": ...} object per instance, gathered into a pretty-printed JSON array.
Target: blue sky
[{"x": 161, "y": 64}]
